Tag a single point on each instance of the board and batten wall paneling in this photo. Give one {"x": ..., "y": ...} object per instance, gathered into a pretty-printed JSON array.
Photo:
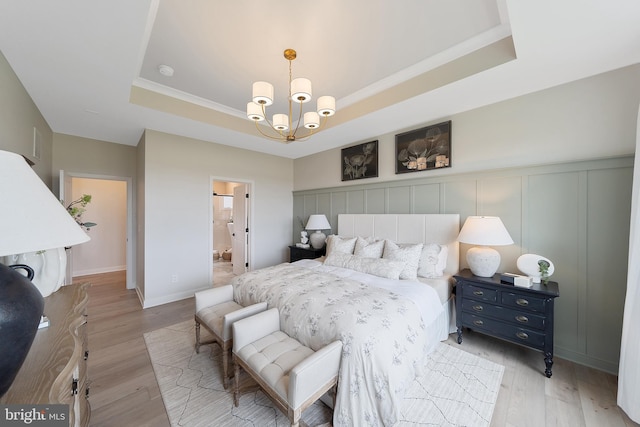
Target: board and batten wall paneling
[
  {"x": 575, "y": 213},
  {"x": 608, "y": 203}
]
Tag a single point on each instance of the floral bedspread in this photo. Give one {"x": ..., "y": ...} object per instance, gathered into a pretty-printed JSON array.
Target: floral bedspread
[{"x": 381, "y": 331}]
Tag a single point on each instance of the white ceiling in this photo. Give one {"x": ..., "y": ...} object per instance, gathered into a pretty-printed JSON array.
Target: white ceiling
[{"x": 91, "y": 66}]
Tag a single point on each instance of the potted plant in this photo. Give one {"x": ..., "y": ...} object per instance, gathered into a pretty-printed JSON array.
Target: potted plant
[{"x": 543, "y": 267}]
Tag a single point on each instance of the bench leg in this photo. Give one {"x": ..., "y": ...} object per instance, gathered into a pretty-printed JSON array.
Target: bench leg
[
  {"x": 197, "y": 336},
  {"x": 225, "y": 367},
  {"x": 236, "y": 383}
]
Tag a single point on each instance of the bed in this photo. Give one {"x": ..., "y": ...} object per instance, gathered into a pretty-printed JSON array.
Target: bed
[{"x": 387, "y": 317}]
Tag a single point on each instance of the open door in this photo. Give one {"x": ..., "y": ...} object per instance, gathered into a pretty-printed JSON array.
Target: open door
[
  {"x": 240, "y": 238},
  {"x": 65, "y": 198}
]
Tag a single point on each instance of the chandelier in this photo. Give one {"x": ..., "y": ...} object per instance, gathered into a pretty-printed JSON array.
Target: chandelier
[{"x": 283, "y": 127}]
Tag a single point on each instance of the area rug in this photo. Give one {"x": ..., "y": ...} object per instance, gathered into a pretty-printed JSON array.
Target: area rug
[{"x": 456, "y": 389}]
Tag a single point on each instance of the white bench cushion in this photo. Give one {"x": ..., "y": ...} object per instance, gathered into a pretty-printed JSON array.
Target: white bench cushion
[
  {"x": 213, "y": 317},
  {"x": 273, "y": 357}
]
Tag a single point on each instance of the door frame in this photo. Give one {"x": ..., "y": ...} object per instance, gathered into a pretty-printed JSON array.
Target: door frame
[
  {"x": 131, "y": 266},
  {"x": 251, "y": 191}
]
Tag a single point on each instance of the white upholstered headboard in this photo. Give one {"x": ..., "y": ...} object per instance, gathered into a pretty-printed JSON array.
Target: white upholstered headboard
[{"x": 407, "y": 228}]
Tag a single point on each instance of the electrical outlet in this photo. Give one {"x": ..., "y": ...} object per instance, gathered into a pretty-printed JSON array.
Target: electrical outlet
[{"x": 174, "y": 278}]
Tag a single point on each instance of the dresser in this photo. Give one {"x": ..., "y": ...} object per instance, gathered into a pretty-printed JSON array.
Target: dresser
[
  {"x": 296, "y": 253},
  {"x": 520, "y": 315},
  {"x": 55, "y": 370}
]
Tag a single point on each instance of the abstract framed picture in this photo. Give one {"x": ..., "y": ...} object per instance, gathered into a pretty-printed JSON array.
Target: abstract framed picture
[
  {"x": 424, "y": 149},
  {"x": 360, "y": 161}
]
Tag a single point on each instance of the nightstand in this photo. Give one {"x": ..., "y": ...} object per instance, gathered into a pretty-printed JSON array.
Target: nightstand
[
  {"x": 520, "y": 315},
  {"x": 296, "y": 253}
]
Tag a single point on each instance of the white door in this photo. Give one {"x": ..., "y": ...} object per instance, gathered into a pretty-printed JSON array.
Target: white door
[
  {"x": 65, "y": 197},
  {"x": 240, "y": 238}
]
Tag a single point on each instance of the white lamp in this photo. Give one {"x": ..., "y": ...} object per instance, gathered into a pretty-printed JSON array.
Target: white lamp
[
  {"x": 485, "y": 231},
  {"x": 31, "y": 219},
  {"x": 318, "y": 222}
]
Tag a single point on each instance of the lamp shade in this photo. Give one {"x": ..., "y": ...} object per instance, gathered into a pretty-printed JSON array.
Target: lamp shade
[
  {"x": 326, "y": 106},
  {"x": 301, "y": 90},
  {"x": 263, "y": 93},
  {"x": 280, "y": 122},
  {"x": 254, "y": 111},
  {"x": 311, "y": 120},
  {"x": 318, "y": 222},
  {"x": 484, "y": 230},
  {"x": 32, "y": 218}
]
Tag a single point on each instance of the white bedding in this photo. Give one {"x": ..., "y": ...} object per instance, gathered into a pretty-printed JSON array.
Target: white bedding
[{"x": 385, "y": 326}]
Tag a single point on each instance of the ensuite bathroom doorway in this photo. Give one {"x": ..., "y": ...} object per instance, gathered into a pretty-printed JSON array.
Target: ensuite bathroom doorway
[{"x": 230, "y": 225}]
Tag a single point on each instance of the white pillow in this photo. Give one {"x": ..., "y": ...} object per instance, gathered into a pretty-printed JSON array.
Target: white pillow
[
  {"x": 369, "y": 248},
  {"x": 409, "y": 253},
  {"x": 374, "y": 266},
  {"x": 344, "y": 245},
  {"x": 433, "y": 260}
]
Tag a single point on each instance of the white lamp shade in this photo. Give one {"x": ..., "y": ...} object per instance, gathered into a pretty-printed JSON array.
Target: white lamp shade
[
  {"x": 31, "y": 218},
  {"x": 326, "y": 106},
  {"x": 484, "y": 230},
  {"x": 311, "y": 120},
  {"x": 254, "y": 112},
  {"x": 301, "y": 90},
  {"x": 263, "y": 93},
  {"x": 280, "y": 121},
  {"x": 318, "y": 222}
]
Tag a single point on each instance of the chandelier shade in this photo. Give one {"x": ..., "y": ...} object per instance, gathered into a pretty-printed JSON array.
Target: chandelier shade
[
  {"x": 284, "y": 128},
  {"x": 263, "y": 93}
]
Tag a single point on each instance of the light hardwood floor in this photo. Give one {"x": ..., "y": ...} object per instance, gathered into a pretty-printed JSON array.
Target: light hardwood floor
[{"x": 124, "y": 391}]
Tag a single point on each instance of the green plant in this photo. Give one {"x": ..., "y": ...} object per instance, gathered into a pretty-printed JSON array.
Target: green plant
[
  {"x": 77, "y": 208},
  {"x": 543, "y": 267}
]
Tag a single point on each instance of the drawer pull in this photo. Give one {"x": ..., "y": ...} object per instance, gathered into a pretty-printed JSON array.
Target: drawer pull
[
  {"x": 477, "y": 307},
  {"x": 523, "y": 302},
  {"x": 478, "y": 322},
  {"x": 522, "y": 335},
  {"x": 522, "y": 319},
  {"x": 478, "y": 293}
]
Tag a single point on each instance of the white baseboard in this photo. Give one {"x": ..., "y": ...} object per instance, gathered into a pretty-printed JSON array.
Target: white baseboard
[
  {"x": 165, "y": 299},
  {"x": 99, "y": 270}
]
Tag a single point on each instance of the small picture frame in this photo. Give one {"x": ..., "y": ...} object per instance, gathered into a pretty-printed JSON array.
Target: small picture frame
[
  {"x": 360, "y": 161},
  {"x": 424, "y": 149}
]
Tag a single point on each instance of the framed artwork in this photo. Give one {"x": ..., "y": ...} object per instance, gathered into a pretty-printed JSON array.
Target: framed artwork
[
  {"x": 360, "y": 161},
  {"x": 424, "y": 149}
]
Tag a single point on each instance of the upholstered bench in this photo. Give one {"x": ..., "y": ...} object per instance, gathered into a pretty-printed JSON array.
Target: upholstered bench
[
  {"x": 216, "y": 310},
  {"x": 292, "y": 375}
]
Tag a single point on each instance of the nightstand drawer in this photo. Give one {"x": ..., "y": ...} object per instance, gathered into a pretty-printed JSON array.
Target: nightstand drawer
[
  {"x": 516, "y": 317},
  {"x": 500, "y": 329},
  {"x": 479, "y": 293},
  {"x": 523, "y": 301}
]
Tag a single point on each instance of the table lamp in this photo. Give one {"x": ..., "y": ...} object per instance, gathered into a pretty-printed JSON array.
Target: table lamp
[
  {"x": 31, "y": 219},
  {"x": 318, "y": 222},
  {"x": 485, "y": 231}
]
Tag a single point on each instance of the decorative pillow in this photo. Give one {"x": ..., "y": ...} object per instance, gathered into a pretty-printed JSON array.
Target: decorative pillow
[
  {"x": 375, "y": 266},
  {"x": 408, "y": 253},
  {"x": 368, "y": 248},
  {"x": 344, "y": 245},
  {"x": 433, "y": 260}
]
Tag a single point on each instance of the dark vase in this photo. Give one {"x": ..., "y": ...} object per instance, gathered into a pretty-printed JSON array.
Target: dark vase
[{"x": 21, "y": 307}]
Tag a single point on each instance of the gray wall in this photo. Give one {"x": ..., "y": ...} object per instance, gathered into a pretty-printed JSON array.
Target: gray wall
[
  {"x": 178, "y": 211},
  {"x": 576, "y": 214},
  {"x": 18, "y": 118}
]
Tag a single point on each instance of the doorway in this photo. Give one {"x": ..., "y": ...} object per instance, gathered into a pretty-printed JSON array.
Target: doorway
[
  {"x": 230, "y": 235},
  {"x": 110, "y": 247}
]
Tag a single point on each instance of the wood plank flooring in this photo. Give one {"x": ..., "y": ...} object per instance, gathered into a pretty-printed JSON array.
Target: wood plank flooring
[{"x": 124, "y": 391}]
